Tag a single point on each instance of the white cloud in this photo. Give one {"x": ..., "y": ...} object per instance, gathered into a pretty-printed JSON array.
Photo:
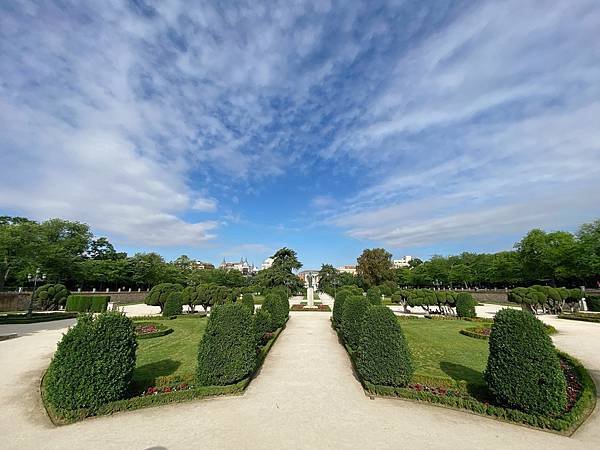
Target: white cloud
[{"x": 205, "y": 204}]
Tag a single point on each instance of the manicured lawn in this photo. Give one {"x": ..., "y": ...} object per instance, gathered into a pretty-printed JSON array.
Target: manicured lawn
[
  {"x": 439, "y": 350},
  {"x": 172, "y": 355}
]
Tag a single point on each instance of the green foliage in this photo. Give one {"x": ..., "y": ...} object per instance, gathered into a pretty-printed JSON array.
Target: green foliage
[
  {"x": 50, "y": 296},
  {"x": 159, "y": 294},
  {"x": 383, "y": 356},
  {"x": 262, "y": 325},
  {"x": 279, "y": 311},
  {"x": 35, "y": 317},
  {"x": 227, "y": 351},
  {"x": 374, "y": 296},
  {"x": 248, "y": 301},
  {"x": 172, "y": 305},
  {"x": 93, "y": 364},
  {"x": 353, "y": 313},
  {"x": 87, "y": 303},
  {"x": 593, "y": 303},
  {"x": 374, "y": 266},
  {"x": 338, "y": 305},
  {"x": 523, "y": 369},
  {"x": 465, "y": 305}
]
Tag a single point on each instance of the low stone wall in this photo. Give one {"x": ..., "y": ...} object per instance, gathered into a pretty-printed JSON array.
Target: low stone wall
[
  {"x": 19, "y": 301},
  {"x": 14, "y": 301},
  {"x": 490, "y": 296}
]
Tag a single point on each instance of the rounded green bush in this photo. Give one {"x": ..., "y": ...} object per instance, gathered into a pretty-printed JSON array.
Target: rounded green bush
[
  {"x": 50, "y": 297},
  {"x": 248, "y": 302},
  {"x": 374, "y": 296},
  {"x": 274, "y": 306},
  {"x": 173, "y": 304},
  {"x": 383, "y": 356},
  {"x": 523, "y": 369},
  {"x": 93, "y": 364},
  {"x": 158, "y": 294},
  {"x": 465, "y": 305},
  {"x": 355, "y": 308},
  {"x": 338, "y": 305},
  {"x": 262, "y": 325},
  {"x": 227, "y": 352}
]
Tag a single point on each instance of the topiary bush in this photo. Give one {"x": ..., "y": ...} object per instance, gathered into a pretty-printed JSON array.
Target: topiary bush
[
  {"x": 523, "y": 369},
  {"x": 248, "y": 302},
  {"x": 338, "y": 306},
  {"x": 274, "y": 306},
  {"x": 227, "y": 352},
  {"x": 593, "y": 303},
  {"x": 262, "y": 325},
  {"x": 87, "y": 303},
  {"x": 465, "y": 305},
  {"x": 173, "y": 305},
  {"x": 93, "y": 364},
  {"x": 383, "y": 356},
  {"x": 355, "y": 308},
  {"x": 50, "y": 297},
  {"x": 374, "y": 296},
  {"x": 158, "y": 294}
]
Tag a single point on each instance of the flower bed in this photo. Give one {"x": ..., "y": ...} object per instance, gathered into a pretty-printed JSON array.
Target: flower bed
[
  {"x": 174, "y": 390},
  {"x": 581, "y": 393},
  {"x": 318, "y": 307},
  {"x": 147, "y": 330}
]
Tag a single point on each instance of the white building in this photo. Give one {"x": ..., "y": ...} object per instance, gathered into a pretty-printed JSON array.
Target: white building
[
  {"x": 243, "y": 266},
  {"x": 402, "y": 262},
  {"x": 267, "y": 263},
  {"x": 347, "y": 269}
]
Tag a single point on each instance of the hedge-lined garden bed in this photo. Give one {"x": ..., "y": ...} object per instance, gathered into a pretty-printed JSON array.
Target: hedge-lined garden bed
[
  {"x": 483, "y": 332},
  {"x": 303, "y": 307},
  {"x": 22, "y": 318},
  {"x": 581, "y": 316},
  {"x": 148, "y": 330},
  {"x": 448, "y": 371},
  {"x": 169, "y": 389}
]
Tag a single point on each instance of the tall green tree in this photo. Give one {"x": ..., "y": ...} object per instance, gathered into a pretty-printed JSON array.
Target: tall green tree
[{"x": 374, "y": 266}]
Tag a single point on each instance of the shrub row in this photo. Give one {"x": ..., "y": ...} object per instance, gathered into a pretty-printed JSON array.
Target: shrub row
[
  {"x": 87, "y": 303},
  {"x": 583, "y": 317},
  {"x": 22, "y": 318}
]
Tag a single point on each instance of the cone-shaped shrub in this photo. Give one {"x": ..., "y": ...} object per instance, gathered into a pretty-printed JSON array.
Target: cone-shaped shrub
[
  {"x": 465, "y": 305},
  {"x": 383, "y": 356},
  {"x": 523, "y": 369},
  {"x": 227, "y": 351},
  {"x": 93, "y": 364},
  {"x": 173, "y": 304},
  {"x": 248, "y": 302},
  {"x": 338, "y": 306},
  {"x": 274, "y": 306},
  {"x": 262, "y": 325},
  {"x": 374, "y": 296},
  {"x": 355, "y": 308}
]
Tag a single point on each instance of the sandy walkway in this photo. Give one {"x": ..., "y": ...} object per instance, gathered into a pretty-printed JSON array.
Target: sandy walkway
[{"x": 305, "y": 397}]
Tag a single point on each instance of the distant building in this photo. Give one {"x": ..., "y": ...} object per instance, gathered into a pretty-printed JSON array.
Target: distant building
[
  {"x": 347, "y": 269},
  {"x": 200, "y": 265},
  {"x": 267, "y": 263},
  {"x": 402, "y": 262},
  {"x": 242, "y": 266}
]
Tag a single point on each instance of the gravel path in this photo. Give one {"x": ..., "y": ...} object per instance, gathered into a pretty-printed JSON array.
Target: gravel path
[{"x": 306, "y": 396}]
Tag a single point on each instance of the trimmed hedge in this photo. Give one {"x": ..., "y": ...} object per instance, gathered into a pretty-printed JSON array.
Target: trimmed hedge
[
  {"x": 248, "y": 301},
  {"x": 50, "y": 296},
  {"x": 93, "y": 364},
  {"x": 355, "y": 308},
  {"x": 338, "y": 306},
  {"x": 465, "y": 305},
  {"x": 273, "y": 304},
  {"x": 227, "y": 352},
  {"x": 581, "y": 316},
  {"x": 593, "y": 303},
  {"x": 158, "y": 294},
  {"x": 173, "y": 305},
  {"x": 383, "y": 356},
  {"x": 35, "y": 317},
  {"x": 87, "y": 303},
  {"x": 523, "y": 369},
  {"x": 262, "y": 325}
]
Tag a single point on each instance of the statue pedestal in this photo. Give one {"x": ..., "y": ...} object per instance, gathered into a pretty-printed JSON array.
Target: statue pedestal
[{"x": 310, "y": 297}]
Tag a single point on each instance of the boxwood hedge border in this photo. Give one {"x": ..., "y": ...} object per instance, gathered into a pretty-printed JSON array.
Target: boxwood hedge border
[
  {"x": 162, "y": 330},
  {"x": 565, "y": 425},
  {"x": 585, "y": 317},
  {"x": 66, "y": 417},
  {"x": 21, "y": 318}
]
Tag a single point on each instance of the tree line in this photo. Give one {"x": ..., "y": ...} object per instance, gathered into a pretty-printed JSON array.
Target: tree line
[{"x": 558, "y": 258}]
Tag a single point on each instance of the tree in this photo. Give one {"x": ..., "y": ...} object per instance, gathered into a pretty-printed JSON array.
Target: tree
[
  {"x": 328, "y": 278},
  {"x": 159, "y": 294},
  {"x": 148, "y": 269},
  {"x": 101, "y": 248},
  {"x": 280, "y": 273},
  {"x": 19, "y": 245},
  {"x": 374, "y": 266},
  {"x": 286, "y": 258},
  {"x": 588, "y": 254}
]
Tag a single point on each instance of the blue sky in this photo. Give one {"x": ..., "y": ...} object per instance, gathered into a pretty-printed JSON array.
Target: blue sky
[{"x": 230, "y": 129}]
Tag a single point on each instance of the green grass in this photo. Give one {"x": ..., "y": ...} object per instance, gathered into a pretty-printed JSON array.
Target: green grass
[
  {"x": 440, "y": 351},
  {"x": 258, "y": 299},
  {"x": 161, "y": 359}
]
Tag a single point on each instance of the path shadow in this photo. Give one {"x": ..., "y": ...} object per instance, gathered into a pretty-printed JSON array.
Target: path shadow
[
  {"x": 475, "y": 384},
  {"x": 147, "y": 375}
]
